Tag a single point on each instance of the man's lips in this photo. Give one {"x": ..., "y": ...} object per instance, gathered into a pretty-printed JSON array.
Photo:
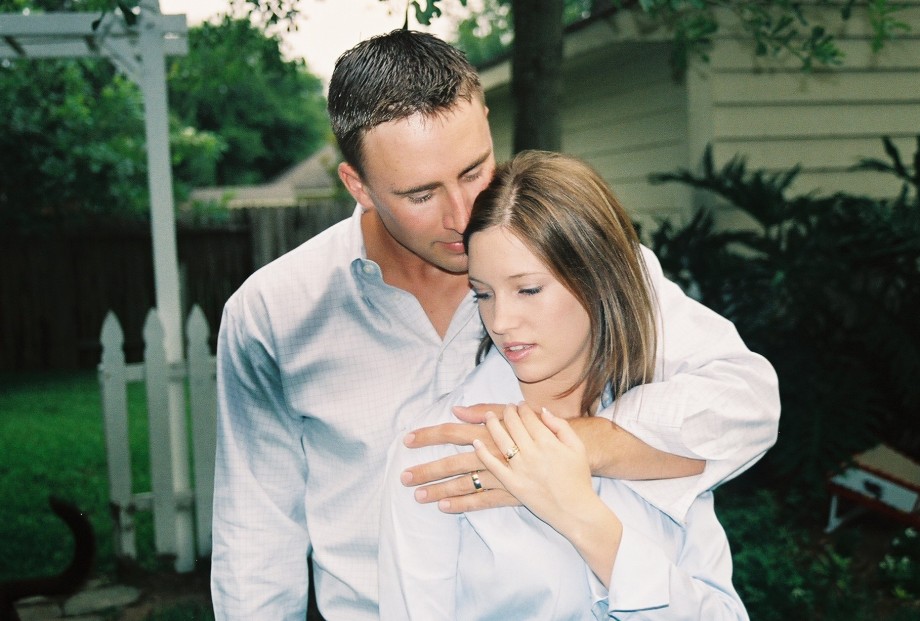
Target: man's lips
[{"x": 455, "y": 247}]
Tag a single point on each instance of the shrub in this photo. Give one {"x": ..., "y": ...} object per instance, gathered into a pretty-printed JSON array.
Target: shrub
[
  {"x": 900, "y": 569},
  {"x": 828, "y": 289}
]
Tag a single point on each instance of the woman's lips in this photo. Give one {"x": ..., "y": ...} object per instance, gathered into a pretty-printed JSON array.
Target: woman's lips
[{"x": 515, "y": 352}]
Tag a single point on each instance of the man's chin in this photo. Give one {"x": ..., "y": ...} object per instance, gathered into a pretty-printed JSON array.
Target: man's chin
[{"x": 457, "y": 267}]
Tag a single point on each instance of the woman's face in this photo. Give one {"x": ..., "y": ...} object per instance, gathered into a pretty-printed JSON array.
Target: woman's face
[{"x": 534, "y": 321}]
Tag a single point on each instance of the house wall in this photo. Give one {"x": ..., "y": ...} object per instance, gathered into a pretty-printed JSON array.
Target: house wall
[
  {"x": 625, "y": 113},
  {"x": 777, "y": 116}
]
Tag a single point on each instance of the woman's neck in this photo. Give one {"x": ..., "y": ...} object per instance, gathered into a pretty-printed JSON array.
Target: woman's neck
[{"x": 539, "y": 396}]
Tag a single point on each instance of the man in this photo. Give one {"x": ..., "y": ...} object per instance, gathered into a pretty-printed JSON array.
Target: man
[{"x": 328, "y": 354}]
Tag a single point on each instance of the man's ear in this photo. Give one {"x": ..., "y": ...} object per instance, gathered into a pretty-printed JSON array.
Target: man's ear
[{"x": 354, "y": 184}]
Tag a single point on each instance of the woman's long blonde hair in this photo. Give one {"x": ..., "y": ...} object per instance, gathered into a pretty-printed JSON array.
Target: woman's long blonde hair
[{"x": 569, "y": 218}]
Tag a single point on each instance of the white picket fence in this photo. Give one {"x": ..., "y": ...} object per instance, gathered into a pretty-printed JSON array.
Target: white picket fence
[{"x": 181, "y": 510}]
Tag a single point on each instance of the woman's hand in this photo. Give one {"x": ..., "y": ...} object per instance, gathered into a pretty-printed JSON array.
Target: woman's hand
[
  {"x": 549, "y": 473},
  {"x": 546, "y": 467}
]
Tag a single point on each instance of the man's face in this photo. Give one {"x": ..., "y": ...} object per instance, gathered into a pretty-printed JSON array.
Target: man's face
[{"x": 422, "y": 174}]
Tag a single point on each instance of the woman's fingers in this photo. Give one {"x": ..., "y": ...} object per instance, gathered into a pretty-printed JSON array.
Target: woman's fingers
[
  {"x": 561, "y": 429},
  {"x": 500, "y": 435},
  {"x": 509, "y": 434},
  {"x": 516, "y": 429},
  {"x": 493, "y": 464},
  {"x": 534, "y": 425}
]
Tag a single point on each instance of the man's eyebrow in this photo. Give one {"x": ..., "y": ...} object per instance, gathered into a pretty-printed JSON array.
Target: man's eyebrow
[
  {"x": 482, "y": 158},
  {"x": 431, "y": 186},
  {"x": 416, "y": 189}
]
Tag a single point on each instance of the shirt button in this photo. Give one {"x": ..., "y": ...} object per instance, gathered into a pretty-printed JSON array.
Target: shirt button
[{"x": 368, "y": 268}]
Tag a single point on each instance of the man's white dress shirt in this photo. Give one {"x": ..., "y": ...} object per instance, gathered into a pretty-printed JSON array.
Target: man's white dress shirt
[
  {"x": 321, "y": 365},
  {"x": 508, "y": 564}
]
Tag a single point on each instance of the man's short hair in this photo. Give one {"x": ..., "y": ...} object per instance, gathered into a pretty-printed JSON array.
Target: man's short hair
[{"x": 391, "y": 77}]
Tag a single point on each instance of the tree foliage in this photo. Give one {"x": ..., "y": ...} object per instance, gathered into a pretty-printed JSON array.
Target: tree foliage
[
  {"x": 775, "y": 28},
  {"x": 234, "y": 83},
  {"x": 488, "y": 34},
  {"x": 72, "y": 146}
]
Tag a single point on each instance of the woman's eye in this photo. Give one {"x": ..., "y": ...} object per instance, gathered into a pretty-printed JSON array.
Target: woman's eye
[
  {"x": 479, "y": 296},
  {"x": 530, "y": 291}
]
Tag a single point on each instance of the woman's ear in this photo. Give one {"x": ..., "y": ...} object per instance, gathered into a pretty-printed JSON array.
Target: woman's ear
[{"x": 354, "y": 184}]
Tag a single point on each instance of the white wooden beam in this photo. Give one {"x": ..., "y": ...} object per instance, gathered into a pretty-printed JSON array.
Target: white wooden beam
[{"x": 71, "y": 35}]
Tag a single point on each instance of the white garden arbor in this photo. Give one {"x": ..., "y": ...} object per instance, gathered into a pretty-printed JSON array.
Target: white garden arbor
[{"x": 139, "y": 51}]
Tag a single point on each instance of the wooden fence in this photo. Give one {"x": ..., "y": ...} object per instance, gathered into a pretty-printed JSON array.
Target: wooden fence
[
  {"x": 276, "y": 230},
  {"x": 55, "y": 289},
  {"x": 181, "y": 503}
]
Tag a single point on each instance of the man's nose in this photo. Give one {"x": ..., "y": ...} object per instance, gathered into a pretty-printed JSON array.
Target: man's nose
[{"x": 457, "y": 211}]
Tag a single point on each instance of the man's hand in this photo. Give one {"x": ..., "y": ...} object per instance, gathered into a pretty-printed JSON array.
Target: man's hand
[
  {"x": 449, "y": 481},
  {"x": 615, "y": 453},
  {"x": 612, "y": 452}
]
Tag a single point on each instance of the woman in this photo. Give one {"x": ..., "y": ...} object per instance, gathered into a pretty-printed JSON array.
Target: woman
[{"x": 562, "y": 288}]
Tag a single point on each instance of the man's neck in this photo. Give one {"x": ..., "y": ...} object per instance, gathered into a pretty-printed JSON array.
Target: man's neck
[{"x": 439, "y": 292}]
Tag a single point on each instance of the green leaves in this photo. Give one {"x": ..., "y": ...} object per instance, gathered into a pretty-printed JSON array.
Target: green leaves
[
  {"x": 828, "y": 289},
  {"x": 74, "y": 149},
  {"x": 72, "y": 145},
  {"x": 267, "y": 112},
  {"x": 424, "y": 14}
]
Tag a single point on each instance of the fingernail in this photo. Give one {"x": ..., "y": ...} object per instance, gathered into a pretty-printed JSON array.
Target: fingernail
[
  {"x": 405, "y": 477},
  {"x": 421, "y": 494},
  {"x": 410, "y": 437},
  {"x": 444, "y": 505},
  {"x": 477, "y": 443}
]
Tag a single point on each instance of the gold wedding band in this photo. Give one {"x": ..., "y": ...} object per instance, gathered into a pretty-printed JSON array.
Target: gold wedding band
[
  {"x": 514, "y": 450},
  {"x": 476, "y": 482}
]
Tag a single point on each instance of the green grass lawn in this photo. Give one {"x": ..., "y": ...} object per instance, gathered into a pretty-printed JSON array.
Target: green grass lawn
[{"x": 52, "y": 443}]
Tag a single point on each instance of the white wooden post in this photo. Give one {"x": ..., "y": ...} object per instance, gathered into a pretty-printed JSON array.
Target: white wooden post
[
  {"x": 156, "y": 378},
  {"x": 112, "y": 383},
  {"x": 203, "y": 397},
  {"x": 165, "y": 261}
]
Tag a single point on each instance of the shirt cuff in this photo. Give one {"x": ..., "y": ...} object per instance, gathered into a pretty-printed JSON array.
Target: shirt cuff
[
  {"x": 640, "y": 579},
  {"x": 662, "y": 429}
]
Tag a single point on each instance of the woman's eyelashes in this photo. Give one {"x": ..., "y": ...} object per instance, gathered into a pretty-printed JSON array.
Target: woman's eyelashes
[{"x": 480, "y": 296}]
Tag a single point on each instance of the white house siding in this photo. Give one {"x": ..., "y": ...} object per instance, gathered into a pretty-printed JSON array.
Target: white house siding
[
  {"x": 626, "y": 115},
  {"x": 826, "y": 121}
]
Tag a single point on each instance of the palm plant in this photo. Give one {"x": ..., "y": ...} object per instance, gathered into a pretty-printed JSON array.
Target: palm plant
[{"x": 828, "y": 289}]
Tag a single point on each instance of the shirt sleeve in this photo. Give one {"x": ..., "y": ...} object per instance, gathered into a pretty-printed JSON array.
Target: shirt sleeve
[
  {"x": 648, "y": 584},
  {"x": 711, "y": 398},
  {"x": 419, "y": 548},
  {"x": 259, "y": 567}
]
